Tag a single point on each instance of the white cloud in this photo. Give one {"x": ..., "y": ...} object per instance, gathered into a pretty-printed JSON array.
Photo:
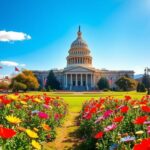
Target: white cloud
[
  {"x": 8, "y": 36},
  {"x": 11, "y": 63},
  {"x": 22, "y": 65}
]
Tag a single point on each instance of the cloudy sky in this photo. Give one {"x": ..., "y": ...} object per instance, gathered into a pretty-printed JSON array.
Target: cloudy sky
[{"x": 37, "y": 34}]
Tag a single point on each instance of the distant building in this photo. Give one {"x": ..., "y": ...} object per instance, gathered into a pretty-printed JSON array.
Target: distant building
[{"x": 79, "y": 74}]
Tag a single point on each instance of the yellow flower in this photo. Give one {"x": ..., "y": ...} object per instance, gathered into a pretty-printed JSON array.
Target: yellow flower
[
  {"x": 23, "y": 102},
  {"x": 25, "y": 106},
  {"x": 45, "y": 127},
  {"x": 136, "y": 106},
  {"x": 37, "y": 100},
  {"x": 35, "y": 129},
  {"x": 12, "y": 97},
  {"x": 139, "y": 132},
  {"x": 8, "y": 105},
  {"x": 36, "y": 145},
  {"x": 103, "y": 106},
  {"x": 13, "y": 119},
  {"x": 31, "y": 133},
  {"x": 139, "y": 140}
]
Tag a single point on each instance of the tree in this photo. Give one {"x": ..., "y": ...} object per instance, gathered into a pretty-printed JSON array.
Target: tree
[
  {"x": 141, "y": 87},
  {"x": 26, "y": 77},
  {"x": 4, "y": 86},
  {"x": 126, "y": 84},
  {"x": 17, "y": 86},
  {"x": 52, "y": 82},
  {"x": 146, "y": 80},
  {"x": 103, "y": 84}
]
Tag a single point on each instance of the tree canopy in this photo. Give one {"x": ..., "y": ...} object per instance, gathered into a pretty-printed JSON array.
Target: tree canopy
[
  {"x": 126, "y": 83},
  {"x": 141, "y": 87},
  {"x": 146, "y": 80},
  {"x": 103, "y": 84},
  {"x": 27, "y": 78},
  {"x": 52, "y": 82}
]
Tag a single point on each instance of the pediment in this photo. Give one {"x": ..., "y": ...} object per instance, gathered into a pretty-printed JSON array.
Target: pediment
[{"x": 79, "y": 69}]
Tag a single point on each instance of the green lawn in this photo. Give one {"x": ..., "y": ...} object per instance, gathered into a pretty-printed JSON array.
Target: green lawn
[{"x": 75, "y": 100}]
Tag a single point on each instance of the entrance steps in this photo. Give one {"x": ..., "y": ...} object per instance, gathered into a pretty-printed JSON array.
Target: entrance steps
[{"x": 78, "y": 88}]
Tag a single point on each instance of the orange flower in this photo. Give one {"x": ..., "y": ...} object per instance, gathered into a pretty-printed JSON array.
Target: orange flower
[{"x": 46, "y": 127}]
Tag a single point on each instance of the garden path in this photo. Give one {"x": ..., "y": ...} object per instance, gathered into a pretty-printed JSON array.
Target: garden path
[{"x": 66, "y": 138}]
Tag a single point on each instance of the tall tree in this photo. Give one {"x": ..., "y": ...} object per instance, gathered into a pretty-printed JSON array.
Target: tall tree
[
  {"x": 52, "y": 82},
  {"x": 146, "y": 80},
  {"x": 126, "y": 84},
  {"x": 141, "y": 87},
  {"x": 103, "y": 84}
]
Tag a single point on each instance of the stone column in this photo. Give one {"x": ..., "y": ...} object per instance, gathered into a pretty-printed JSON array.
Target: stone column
[
  {"x": 66, "y": 81},
  {"x": 76, "y": 80},
  {"x": 91, "y": 81},
  {"x": 71, "y": 79},
  {"x": 81, "y": 81},
  {"x": 86, "y": 79}
]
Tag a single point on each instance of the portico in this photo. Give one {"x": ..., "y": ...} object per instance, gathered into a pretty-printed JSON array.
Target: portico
[{"x": 78, "y": 80}]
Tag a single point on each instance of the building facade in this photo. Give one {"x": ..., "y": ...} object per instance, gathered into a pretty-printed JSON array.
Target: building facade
[{"x": 79, "y": 74}]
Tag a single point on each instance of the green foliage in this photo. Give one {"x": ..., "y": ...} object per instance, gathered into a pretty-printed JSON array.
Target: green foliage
[
  {"x": 17, "y": 86},
  {"x": 26, "y": 77},
  {"x": 4, "y": 85},
  {"x": 126, "y": 84},
  {"x": 141, "y": 87},
  {"x": 146, "y": 81},
  {"x": 103, "y": 84},
  {"x": 52, "y": 82}
]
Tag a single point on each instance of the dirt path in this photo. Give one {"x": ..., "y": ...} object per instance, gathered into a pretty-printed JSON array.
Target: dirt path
[{"x": 66, "y": 135}]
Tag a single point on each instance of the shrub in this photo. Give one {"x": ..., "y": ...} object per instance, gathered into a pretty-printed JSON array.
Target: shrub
[
  {"x": 103, "y": 84},
  {"x": 4, "y": 86},
  {"x": 126, "y": 84},
  {"x": 27, "y": 78},
  {"x": 18, "y": 86},
  {"x": 141, "y": 87}
]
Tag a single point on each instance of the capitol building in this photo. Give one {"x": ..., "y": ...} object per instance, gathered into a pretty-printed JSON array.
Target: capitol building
[{"x": 80, "y": 74}]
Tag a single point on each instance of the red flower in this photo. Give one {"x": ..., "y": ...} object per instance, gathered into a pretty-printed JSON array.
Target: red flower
[
  {"x": 5, "y": 101},
  {"x": 98, "y": 135},
  {"x": 145, "y": 109},
  {"x": 140, "y": 120},
  {"x": 124, "y": 109},
  {"x": 144, "y": 145},
  {"x": 87, "y": 116},
  {"x": 118, "y": 119},
  {"x": 6, "y": 133},
  {"x": 127, "y": 98}
]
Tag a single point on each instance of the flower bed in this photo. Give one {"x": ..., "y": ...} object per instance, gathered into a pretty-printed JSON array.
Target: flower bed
[
  {"x": 115, "y": 124},
  {"x": 28, "y": 120}
]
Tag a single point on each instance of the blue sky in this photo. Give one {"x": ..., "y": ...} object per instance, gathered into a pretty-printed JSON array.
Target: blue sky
[{"x": 117, "y": 32}]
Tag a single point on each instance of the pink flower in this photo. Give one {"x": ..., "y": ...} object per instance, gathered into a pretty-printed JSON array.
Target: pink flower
[
  {"x": 43, "y": 115},
  {"x": 46, "y": 106},
  {"x": 107, "y": 113},
  {"x": 99, "y": 119},
  {"x": 110, "y": 127}
]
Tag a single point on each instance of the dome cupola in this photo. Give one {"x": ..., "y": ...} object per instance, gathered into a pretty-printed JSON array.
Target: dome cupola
[{"x": 79, "y": 53}]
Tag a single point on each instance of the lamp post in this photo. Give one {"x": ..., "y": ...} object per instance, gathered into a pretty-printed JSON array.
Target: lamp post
[{"x": 147, "y": 70}]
